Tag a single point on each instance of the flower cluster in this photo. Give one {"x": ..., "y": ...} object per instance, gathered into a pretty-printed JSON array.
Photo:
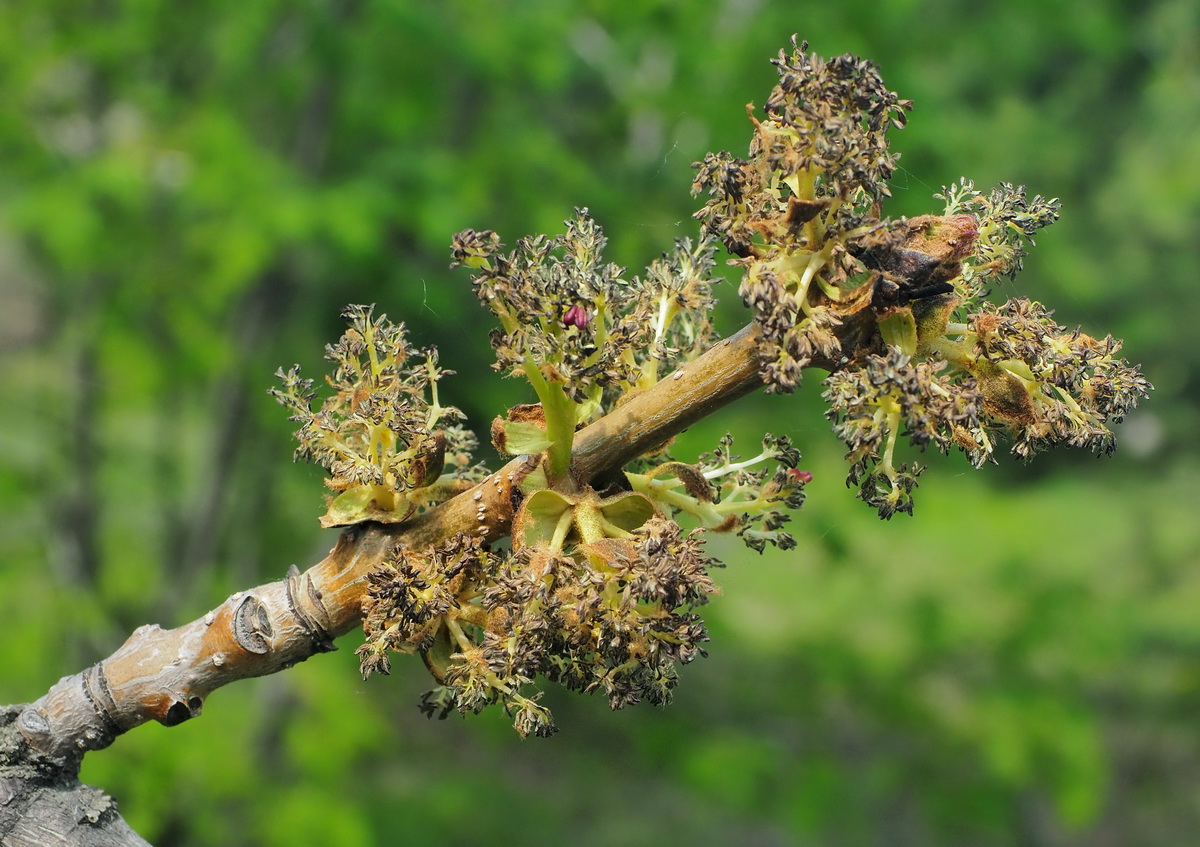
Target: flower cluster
[
  {"x": 1009, "y": 369},
  {"x": 724, "y": 493},
  {"x": 612, "y": 615},
  {"x": 597, "y": 595},
  {"x": 390, "y": 446},
  {"x": 871, "y": 405},
  {"x": 818, "y": 166},
  {"x": 1047, "y": 384},
  {"x": 1007, "y": 220},
  {"x": 819, "y": 156},
  {"x": 892, "y": 308},
  {"x": 581, "y": 332},
  {"x": 414, "y": 596}
]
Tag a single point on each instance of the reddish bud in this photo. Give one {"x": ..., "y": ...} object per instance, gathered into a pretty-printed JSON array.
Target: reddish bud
[
  {"x": 968, "y": 226},
  {"x": 576, "y": 316},
  {"x": 802, "y": 477}
]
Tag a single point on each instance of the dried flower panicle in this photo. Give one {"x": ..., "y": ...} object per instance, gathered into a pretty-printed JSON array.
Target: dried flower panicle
[
  {"x": 412, "y": 595},
  {"x": 388, "y": 443},
  {"x": 818, "y": 159},
  {"x": 555, "y": 299},
  {"x": 1009, "y": 371},
  {"x": 1007, "y": 220},
  {"x": 1048, "y": 385},
  {"x": 613, "y": 616}
]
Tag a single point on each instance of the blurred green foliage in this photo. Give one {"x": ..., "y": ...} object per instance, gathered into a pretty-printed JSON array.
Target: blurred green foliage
[{"x": 189, "y": 193}]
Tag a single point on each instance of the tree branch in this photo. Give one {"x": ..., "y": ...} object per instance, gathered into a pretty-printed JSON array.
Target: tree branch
[{"x": 166, "y": 675}]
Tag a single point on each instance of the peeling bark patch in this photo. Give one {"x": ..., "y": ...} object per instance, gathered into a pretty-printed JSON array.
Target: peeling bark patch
[{"x": 94, "y": 805}]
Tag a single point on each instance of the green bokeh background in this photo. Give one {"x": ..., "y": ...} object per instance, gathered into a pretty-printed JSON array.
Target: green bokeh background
[{"x": 190, "y": 192}]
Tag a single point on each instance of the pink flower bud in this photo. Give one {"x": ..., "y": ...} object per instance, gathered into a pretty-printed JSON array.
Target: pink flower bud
[{"x": 576, "y": 316}]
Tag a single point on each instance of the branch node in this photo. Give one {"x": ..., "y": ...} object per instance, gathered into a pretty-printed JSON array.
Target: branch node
[
  {"x": 34, "y": 722},
  {"x": 305, "y": 602},
  {"x": 95, "y": 688}
]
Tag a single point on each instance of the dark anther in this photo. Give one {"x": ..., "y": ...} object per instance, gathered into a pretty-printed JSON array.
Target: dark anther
[{"x": 931, "y": 290}]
